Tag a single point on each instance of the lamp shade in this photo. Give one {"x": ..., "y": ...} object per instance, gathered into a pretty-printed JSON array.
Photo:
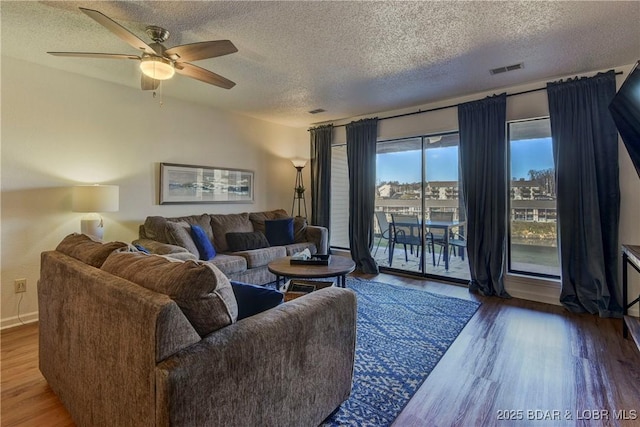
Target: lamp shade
[
  {"x": 299, "y": 163},
  {"x": 96, "y": 198}
]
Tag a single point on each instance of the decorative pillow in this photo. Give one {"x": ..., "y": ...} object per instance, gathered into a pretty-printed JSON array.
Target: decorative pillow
[
  {"x": 202, "y": 242},
  {"x": 154, "y": 228},
  {"x": 141, "y": 248},
  {"x": 279, "y": 231},
  {"x": 300, "y": 229},
  {"x": 199, "y": 288},
  {"x": 254, "y": 299},
  {"x": 179, "y": 233},
  {"x": 246, "y": 241},
  {"x": 87, "y": 250},
  {"x": 258, "y": 218},
  {"x": 228, "y": 223}
]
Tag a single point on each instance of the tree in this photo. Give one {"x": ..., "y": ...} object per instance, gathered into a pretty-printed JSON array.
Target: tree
[{"x": 545, "y": 179}]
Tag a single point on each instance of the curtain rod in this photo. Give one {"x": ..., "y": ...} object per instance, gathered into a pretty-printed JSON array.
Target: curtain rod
[{"x": 413, "y": 113}]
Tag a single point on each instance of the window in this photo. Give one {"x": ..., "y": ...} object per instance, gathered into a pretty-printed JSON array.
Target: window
[
  {"x": 532, "y": 226},
  {"x": 339, "y": 223}
]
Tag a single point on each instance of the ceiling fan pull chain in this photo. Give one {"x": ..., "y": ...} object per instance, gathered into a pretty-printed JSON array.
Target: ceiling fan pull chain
[{"x": 161, "y": 97}]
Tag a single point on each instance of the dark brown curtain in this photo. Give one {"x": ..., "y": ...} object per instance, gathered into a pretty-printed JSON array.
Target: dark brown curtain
[
  {"x": 483, "y": 164},
  {"x": 361, "y": 159},
  {"x": 321, "y": 175},
  {"x": 585, "y": 152}
]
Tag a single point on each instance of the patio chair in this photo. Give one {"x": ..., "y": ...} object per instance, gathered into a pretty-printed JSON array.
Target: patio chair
[
  {"x": 436, "y": 236},
  {"x": 383, "y": 225},
  {"x": 405, "y": 230},
  {"x": 457, "y": 245}
]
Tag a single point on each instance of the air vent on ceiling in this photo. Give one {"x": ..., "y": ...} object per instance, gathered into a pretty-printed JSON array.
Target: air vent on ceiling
[
  {"x": 317, "y": 110},
  {"x": 501, "y": 70}
]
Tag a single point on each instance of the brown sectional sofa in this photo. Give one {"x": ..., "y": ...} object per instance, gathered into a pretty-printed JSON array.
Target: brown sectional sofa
[
  {"x": 248, "y": 266},
  {"x": 119, "y": 347}
]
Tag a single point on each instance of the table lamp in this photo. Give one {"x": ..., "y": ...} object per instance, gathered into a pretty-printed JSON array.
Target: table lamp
[{"x": 92, "y": 199}]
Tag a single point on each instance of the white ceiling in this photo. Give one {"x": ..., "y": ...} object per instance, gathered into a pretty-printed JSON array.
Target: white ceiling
[{"x": 350, "y": 58}]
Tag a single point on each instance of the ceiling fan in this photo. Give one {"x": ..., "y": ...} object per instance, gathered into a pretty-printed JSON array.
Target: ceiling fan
[{"x": 158, "y": 63}]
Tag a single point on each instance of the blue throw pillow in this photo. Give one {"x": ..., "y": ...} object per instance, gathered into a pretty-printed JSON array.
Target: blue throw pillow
[
  {"x": 205, "y": 248},
  {"x": 141, "y": 248},
  {"x": 254, "y": 299},
  {"x": 279, "y": 231}
]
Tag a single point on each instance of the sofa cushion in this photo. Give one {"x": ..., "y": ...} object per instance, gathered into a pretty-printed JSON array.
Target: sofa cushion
[
  {"x": 254, "y": 299},
  {"x": 179, "y": 233},
  {"x": 229, "y": 264},
  {"x": 258, "y": 218},
  {"x": 246, "y": 241},
  {"x": 87, "y": 250},
  {"x": 199, "y": 288},
  {"x": 260, "y": 257},
  {"x": 228, "y": 223},
  {"x": 279, "y": 231},
  {"x": 205, "y": 248}
]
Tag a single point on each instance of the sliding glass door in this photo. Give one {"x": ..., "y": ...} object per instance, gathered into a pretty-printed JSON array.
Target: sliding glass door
[
  {"x": 419, "y": 224},
  {"x": 399, "y": 198}
]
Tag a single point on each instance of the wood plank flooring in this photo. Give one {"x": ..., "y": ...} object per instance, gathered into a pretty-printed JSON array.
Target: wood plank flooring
[{"x": 515, "y": 359}]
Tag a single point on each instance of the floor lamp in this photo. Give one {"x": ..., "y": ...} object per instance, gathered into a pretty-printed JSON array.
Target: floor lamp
[
  {"x": 92, "y": 199},
  {"x": 298, "y": 190}
]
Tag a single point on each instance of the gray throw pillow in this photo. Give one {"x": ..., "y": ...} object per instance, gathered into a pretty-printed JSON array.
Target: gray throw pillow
[
  {"x": 179, "y": 233},
  {"x": 299, "y": 229}
]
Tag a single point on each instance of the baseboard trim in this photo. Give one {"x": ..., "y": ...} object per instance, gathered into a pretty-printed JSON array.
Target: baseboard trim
[
  {"x": 533, "y": 289},
  {"x": 24, "y": 319}
]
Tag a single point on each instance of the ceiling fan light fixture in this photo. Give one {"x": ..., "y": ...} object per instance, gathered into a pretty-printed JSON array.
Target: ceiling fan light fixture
[{"x": 157, "y": 68}]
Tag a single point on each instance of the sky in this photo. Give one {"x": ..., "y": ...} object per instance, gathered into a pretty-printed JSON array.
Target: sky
[{"x": 442, "y": 163}]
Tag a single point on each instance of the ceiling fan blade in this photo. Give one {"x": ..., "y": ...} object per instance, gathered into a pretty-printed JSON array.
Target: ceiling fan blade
[
  {"x": 119, "y": 30},
  {"x": 147, "y": 83},
  {"x": 203, "y": 75},
  {"x": 95, "y": 55},
  {"x": 201, "y": 50}
]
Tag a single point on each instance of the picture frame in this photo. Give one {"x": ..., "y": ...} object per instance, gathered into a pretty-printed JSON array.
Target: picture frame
[{"x": 187, "y": 184}]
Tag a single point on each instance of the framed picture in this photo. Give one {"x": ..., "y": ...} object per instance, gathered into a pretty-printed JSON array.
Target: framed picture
[{"x": 181, "y": 184}]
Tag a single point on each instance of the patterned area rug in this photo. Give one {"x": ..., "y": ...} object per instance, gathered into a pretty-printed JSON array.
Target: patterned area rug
[{"x": 402, "y": 334}]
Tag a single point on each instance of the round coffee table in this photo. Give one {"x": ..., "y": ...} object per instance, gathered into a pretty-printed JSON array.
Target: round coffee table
[{"x": 339, "y": 267}]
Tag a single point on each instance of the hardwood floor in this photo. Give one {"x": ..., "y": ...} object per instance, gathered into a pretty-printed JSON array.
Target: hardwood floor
[
  {"x": 517, "y": 363},
  {"x": 27, "y": 399}
]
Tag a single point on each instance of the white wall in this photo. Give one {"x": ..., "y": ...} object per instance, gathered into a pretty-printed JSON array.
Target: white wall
[
  {"x": 60, "y": 129},
  {"x": 526, "y": 106}
]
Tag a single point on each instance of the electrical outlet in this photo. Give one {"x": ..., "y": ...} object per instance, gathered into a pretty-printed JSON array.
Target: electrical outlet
[{"x": 20, "y": 285}]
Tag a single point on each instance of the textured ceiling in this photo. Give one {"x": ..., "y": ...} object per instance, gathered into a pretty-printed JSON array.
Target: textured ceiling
[{"x": 349, "y": 58}]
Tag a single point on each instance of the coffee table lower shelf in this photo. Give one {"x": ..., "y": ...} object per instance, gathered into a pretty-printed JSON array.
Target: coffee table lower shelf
[
  {"x": 296, "y": 288},
  {"x": 338, "y": 267}
]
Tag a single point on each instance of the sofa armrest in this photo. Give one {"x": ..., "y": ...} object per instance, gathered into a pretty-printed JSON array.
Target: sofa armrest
[
  {"x": 320, "y": 237},
  {"x": 158, "y": 248},
  {"x": 291, "y": 365}
]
